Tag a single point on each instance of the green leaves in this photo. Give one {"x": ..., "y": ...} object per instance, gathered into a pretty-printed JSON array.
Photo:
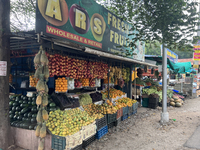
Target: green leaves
[{"x": 167, "y": 21}]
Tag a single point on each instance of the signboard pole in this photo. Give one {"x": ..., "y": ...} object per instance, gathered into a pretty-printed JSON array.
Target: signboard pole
[{"x": 164, "y": 114}]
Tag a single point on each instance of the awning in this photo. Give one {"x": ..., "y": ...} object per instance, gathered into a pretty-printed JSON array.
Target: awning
[{"x": 108, "y": 55}]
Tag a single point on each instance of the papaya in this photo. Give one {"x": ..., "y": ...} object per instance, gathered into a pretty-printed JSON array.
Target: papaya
[
  {"x": 43, "y": 131},
  {"x": 44, "y": 100},
  {"x": 37, "y": 131},
  {"x": 39, "y": 116},
  {"x": 43, "y": 58},
  {"x": 39, "y": 100},
  {"x": 178, "y": 105},
  {"x": 172, "y": 100},
  {"x": 37, "y": 58},
  {"x": 46, "y": 72},
  {"x": 45, "y": 115},
  {"x": 46, "y": 88},
  {"x": 38, "y": 72},
  {"x": 41, "y": 145},
  {"x": 172, "y": 103},
  {"x": 40, "y": 86}
]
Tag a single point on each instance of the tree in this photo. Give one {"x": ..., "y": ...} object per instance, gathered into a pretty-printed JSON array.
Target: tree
[
  {"x": 153, "y": 49},
  {"x": 22, "y": 15},
  {"x": 5, "y": 132}
]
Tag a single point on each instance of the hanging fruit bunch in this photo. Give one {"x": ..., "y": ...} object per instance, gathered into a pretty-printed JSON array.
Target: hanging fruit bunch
[
  {"x": 124, "y": 74},
  {"x": 42, "y": 74},
  {"x": 118, "y": 73},
  {"x": 32, "y": 81},
  {"x": 127, "y": 75},
  {"x": 112, "y": 73}
]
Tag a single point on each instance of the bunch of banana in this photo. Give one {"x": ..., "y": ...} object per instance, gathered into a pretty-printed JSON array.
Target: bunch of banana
[{"x": 124, "y": 74}]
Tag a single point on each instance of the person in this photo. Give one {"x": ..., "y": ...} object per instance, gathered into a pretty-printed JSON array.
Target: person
[{"x": 120, "y": 84}]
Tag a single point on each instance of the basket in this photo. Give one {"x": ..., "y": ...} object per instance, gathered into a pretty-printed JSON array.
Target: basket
[
  {"x": 101, "y": 122},
  {"x": 153, "y": 105},
  {"x": 111, "y": 117},
  {"x": 88, "y": 141},
  {"x": 61, "y": 100},
  {"x": 124, "y": 117},
  {"x": 58, "y": 142},
  {"x": 119, "y": 113},
  {"x": 103, "y": 131},
  {"x": 125, "y": 110}
]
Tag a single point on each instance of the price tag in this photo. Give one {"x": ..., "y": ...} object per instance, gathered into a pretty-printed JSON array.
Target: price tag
[{"x": 29, "y": 94}]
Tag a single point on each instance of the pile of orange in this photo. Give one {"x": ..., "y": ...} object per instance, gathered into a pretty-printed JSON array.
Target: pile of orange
[
  {"x": 32, "y": 81},
  {"x": 85, "y": 82},
  {"x": 113, "y": 93},
  {"x": 105, "y": 81},
  {"x": 61, "y": 85}
]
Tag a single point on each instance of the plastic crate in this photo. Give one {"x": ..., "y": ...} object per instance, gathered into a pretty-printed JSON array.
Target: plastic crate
[
  {"x": 145, "y": 102},
  {"x": 153, "y": 105},
  {"x": 118, "y": 121},
  {"x": 124, "y": 117},
  {"x": 134, "y": 112},
  {"x": 103, "y": 131},
  {"x": 125, "y": 110},
  {"x": 111, "y": 125},
  {"x": 58, "y": 142},
  {"x": 101, "y": 122},
  {"x": 75, "y": 102},
  {"x": 88, "y": 141},
  {"x": 79, "y": 147},
  {"x": 153, "y": 100},
  {"x": 111, "y": 117},
  {"x": 61, "y": 100},
  {"x": 119, "y": 113},
  {"x": 130, "y": 109}
]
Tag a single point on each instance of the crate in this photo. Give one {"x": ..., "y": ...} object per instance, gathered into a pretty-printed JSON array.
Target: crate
[
  {"x": 130, "y": 109},
  {"x": 134, "y": 112},
  {"x": 125, "y": 110},
  {"x": 101, "y": 122},
  {"x": 118, "y": 121},
  {"x": 79, "y": 147},
  {"x": 152, "y": 105},
  {"x": 119, "y": 113},
  {"x": 145, "y": 102},
  {"x": 88, "y": 141},
  {"x": 61, "y": 100},
  {"x": 103, "y": 131},
  {"x": 153, "y": 100},
  {"x": 112, "y": 124},
  {"x": 124, "y": 117},
  {"x": 58, "y": 142},
  {"x": 89, "y": 130},
  {"x": 111, "y": 117}
]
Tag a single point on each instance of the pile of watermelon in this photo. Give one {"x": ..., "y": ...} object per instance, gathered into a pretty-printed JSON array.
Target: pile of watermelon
[{"x": 23, "y": 111}]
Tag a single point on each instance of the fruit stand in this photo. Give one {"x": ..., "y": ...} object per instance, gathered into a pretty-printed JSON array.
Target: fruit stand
[{"x": 63, "y": 91}]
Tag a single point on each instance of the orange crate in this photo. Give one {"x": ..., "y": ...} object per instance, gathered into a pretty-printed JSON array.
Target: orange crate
[{"x": 119, "y": 113}]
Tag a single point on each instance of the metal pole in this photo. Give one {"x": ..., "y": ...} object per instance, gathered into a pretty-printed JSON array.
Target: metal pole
[
  {"x": 164, "y": 114},
  {"x": 130, "y": 82},
  {"x": 108, "y": 81}
]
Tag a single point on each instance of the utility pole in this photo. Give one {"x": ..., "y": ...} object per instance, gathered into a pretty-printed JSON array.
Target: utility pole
[
  {"x": 164, "y": 114},
  {"x": 5, "y": 130}
]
